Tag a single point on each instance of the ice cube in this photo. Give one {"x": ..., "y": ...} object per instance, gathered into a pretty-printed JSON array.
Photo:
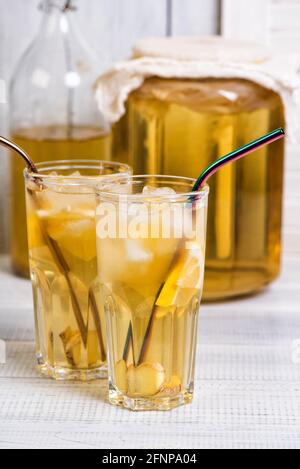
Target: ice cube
[
  {"x": 136, "y": 251},
  {"x": 72, "y": 175},
  {"x": 158, "y": 191}
]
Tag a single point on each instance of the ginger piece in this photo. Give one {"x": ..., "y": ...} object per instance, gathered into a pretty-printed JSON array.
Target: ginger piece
[
  {"x": 145, "y": 380},
  {"x": 172, "y": 387}
]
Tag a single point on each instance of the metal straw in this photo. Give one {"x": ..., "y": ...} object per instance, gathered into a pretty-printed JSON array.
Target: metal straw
[
  {"x": 12, "y": 146},
  {"x": 237, "y": 154}
]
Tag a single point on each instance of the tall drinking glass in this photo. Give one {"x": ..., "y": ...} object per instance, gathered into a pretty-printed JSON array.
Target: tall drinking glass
[
  {"x": 151, "y": 247},
  {"x": 69, "y": 324}
]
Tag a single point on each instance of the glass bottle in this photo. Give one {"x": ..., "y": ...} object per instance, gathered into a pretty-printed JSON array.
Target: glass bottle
[{"x": 53, "y": 112}]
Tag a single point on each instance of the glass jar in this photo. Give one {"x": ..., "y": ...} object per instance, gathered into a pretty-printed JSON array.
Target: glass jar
[
  {"x": 53, "y": 111},
  {"x": 180, "y": 126}
]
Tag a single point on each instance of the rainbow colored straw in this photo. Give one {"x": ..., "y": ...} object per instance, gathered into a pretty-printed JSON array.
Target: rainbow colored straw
[{"x": 236, "y": 155}]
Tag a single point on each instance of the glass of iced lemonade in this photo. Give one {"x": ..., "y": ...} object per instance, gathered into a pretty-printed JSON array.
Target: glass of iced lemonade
[
  {"x": 69, "y": 323},
  {"x": 151, "y": 247}
]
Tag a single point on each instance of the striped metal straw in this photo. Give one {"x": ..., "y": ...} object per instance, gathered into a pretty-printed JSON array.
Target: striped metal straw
[
  {"x": 236, "y": 155},
  {"x": 13, "y": 146}
]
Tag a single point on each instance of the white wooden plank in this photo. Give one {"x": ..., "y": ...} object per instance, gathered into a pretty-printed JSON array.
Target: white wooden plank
[
  {"x": 285, "y": 26},
  {"x": 292, "y": 158},
  {"x": 195, "y": 18},
  {"x": 246, "y": 20},
  {"x": 291, "y": 225},
  {"x": 292, "y": 179},
  {"x": 138, "y": 19},
  {"x": 291, "y": 242},
  {"x": 289, "y": 36},
  {"x": 285, "y": 16},
  {"x": 285, "y": 2},
  {"x": 113, "y": 26},
  {"x": 286, "y": 41}
]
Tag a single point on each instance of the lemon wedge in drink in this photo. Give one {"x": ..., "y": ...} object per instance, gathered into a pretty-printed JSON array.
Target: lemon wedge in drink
[
  {"x": 74, "y": 231},
  {"x": 185, "y": 277}
]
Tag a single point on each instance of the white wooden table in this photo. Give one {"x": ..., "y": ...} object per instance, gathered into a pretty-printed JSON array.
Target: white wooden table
[{"x": 247, "y": 388}]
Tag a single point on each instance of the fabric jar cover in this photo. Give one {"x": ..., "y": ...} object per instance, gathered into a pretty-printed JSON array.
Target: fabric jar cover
[{"x": 196, "y": 58}]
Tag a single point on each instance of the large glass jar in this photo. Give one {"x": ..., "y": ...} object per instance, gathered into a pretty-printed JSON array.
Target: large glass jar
[
  {"x": 178, "y": 127},
  {"x": 54, "y": 115}
]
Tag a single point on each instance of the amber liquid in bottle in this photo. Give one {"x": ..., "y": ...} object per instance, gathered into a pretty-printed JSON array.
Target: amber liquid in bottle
[
  {"x": 43, "y": 144},
  {"x": 179, "y": 127}
]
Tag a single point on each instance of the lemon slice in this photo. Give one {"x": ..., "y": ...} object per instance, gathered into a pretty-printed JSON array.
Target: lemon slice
[
  {"x": 35, "y": 237},
  {"x": 74, "y": 232},
  {"x": 185, "y": 278}
]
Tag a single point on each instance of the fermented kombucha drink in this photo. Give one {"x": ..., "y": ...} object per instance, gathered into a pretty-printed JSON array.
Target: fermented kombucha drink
[
  {"x": 179, "y": 127},
  {"x": 151, "y": 278},
  {"x": 69, "y": 323},
  {"x": 47, "y": 144}
]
